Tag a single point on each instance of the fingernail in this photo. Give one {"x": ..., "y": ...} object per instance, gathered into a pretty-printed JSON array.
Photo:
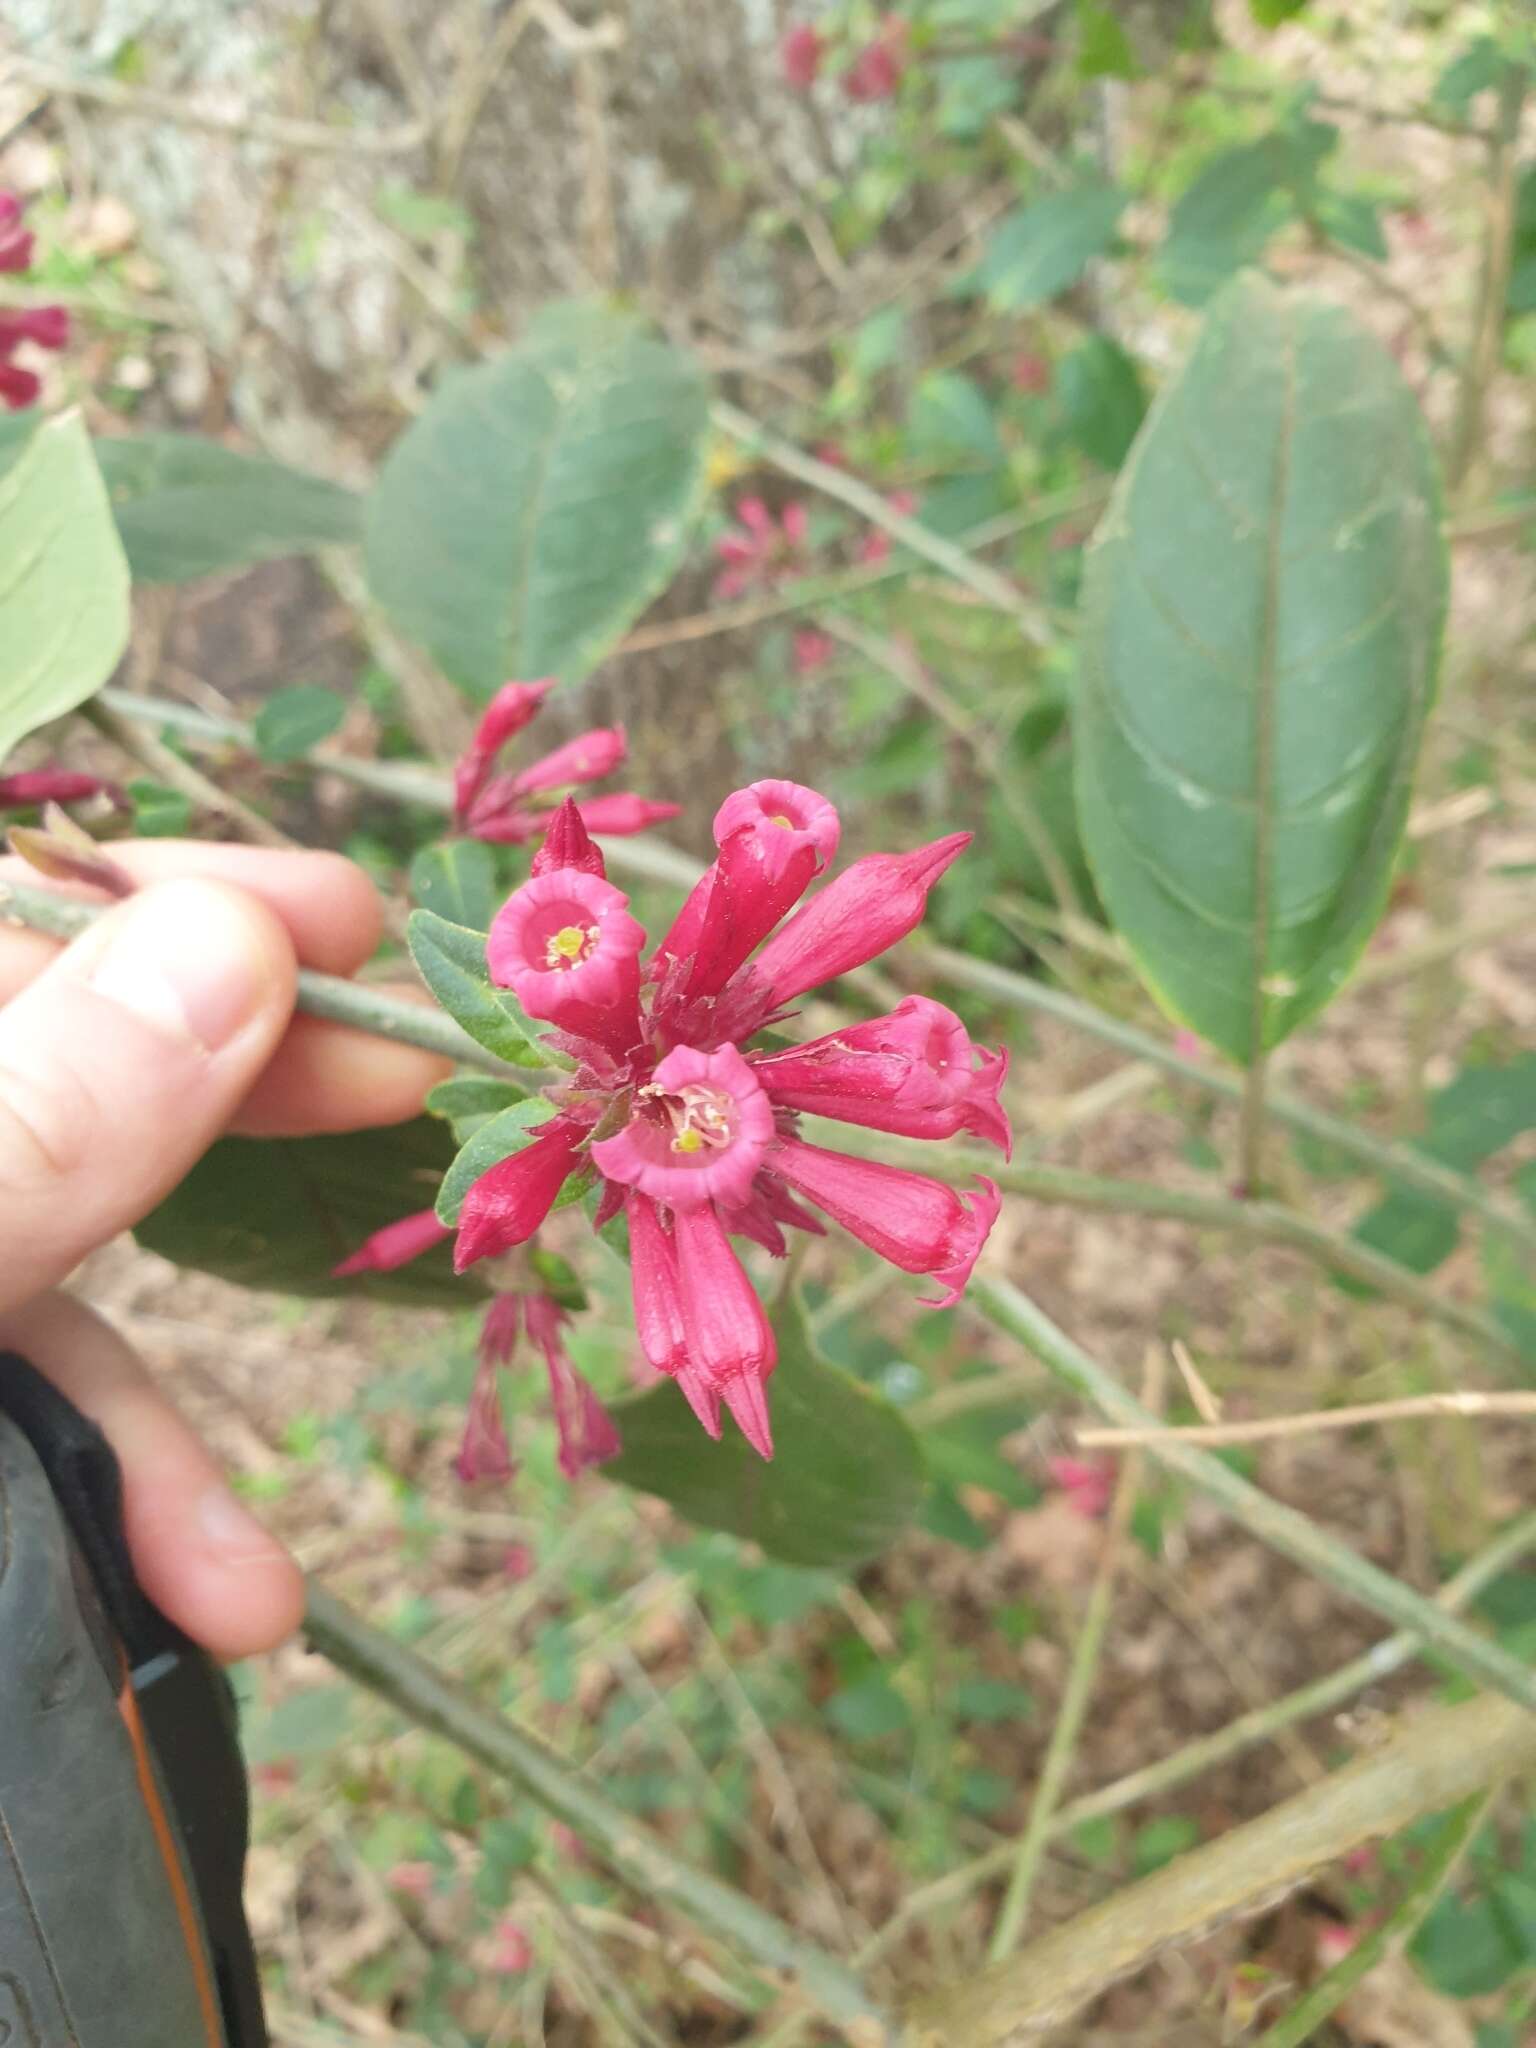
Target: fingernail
[
  {"x": 185, "y": 958},
  {"x": 231, "y": 1529}
]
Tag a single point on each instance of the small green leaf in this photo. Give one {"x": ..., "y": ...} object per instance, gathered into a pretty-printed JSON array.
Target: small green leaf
[
  {"x": 541, "y": 500},
  {"x": 1478, "y": 68},
  {"x": 511, "y": 1130},
  {"x": 1233, "y": 206},
  {"x": 451, "y": 961},
  {"x": 1043, "y": 248},
  {"x": 188, "y": 507},
  {"x": 470, "y": 1100},
  {"x": 158, "y": 812},
  {"x": 868, "y": 1710},
  {"x": 994, "y": 1699},
  {"x": 1160, "y": 1841},
  {"x": 280, "y": 1213},
  {"x": 296, "y": 719},
  {"x": 312, "y": 1722},
  {"x": 1272, "y": 13},
  {"x": 64, "y": 591},
  {"x": 1100, "y": 400},
  {"x": 951, "y": 415},
  {"x": 457, "y": 880},
  {"x": 1103, "y": 47},
  {"x": 846, "y": 1478},
  {"x": 1262, "y": 614}
]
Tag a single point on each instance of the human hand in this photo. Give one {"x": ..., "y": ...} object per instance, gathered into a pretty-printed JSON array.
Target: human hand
[{"x": 122, "y": 1057}]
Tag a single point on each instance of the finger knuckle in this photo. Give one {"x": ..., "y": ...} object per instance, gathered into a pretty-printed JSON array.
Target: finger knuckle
[{"x": 48, "y": 1127}]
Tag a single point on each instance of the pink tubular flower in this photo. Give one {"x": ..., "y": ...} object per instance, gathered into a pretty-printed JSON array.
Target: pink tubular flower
[
  {"x": 32, "y": 787},
  {"x": 800, "y": 55},
  {"x": 1088, "y": 1483},
  {"x": 813, "y": 651},
  {"x": 566, "y": 944},
  {"x": 506, "y": 1206},
  {"x": 912, "y": 1072},
  {"x": 587, "y": 1434},
  {"x": 395, "y": 1245},
  {"x": 698, "y": 1134},
  {"x": 42, "y": 326},
  {"x": 865, "y": 911},
  {"x": 484, "y": 1452},
  {"x": 511, "y": 1952},
  {"x": 497, "y": 807},
  {"x": 919, "y": 1224},
  {"x": 18, "y": 388},
  {"x": 691, "y": 1129},
  {"x": 760, "y": 551},
  {"x": 875, "y": 547},
  {"x": 877, "y": 71}
]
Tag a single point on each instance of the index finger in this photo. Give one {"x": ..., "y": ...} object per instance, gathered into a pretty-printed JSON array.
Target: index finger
[{"x": 331, "y": 909}]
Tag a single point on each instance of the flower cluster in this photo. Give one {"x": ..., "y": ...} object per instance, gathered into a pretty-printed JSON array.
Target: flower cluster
[
  {"x": 759, "y": 550},
  {"x": 512, "y": 808},
  {"x": 690, "y": 1130},
  {"x": 875, "y": 72},
  {"x": 587, "y": 1434},
  {"x": 44, "y": 326}
]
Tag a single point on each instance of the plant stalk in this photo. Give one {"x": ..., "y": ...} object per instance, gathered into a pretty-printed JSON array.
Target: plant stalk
[{"x": 428, "y": 1700}]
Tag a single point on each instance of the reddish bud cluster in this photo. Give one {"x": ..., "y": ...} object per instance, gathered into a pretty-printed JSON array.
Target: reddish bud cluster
[{"x": 43, "y": 326}]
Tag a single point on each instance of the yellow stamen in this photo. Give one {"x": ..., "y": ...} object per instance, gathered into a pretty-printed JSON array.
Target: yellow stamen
[
  {"x": 688, "y": 1141},
  {"x": 779, "y": 819},
  {"x": 568, "y": 946}
]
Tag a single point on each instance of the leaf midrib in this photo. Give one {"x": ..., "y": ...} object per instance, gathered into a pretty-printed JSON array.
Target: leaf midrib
[{"x": 1264, "y": 730}]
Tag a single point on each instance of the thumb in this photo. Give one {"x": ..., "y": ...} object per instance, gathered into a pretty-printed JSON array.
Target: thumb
[{"x": 124, "y": 1060}]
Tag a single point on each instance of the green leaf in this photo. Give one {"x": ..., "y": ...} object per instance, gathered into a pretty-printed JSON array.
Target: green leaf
[
  {"x": 541, "y": 500},
  {"x": 1351, "y": 220},
  {"x": 279, "y": 1213},
  {"x": 1475, "y": 1116},
  {"x": 187, "y": 507},
  {"x": 16, "y": 430},
  {"x": 1103, "y": 47},
  {"x": 457, "y": 880},
  {"x": 952, "y": 416},
  {"x": 1477, "y": 68},
  {"x": 846, "y": 1478},
  {"x": 470, "y": 1100},
  {"x": 296, "y": 719},
  {"x": 868, "y": 1710},
  {"x": 158, "y": 812},
  {"x": 451, "y": 961},
  {"x": 497, "y": 1138},
  {"x": 1507, "y": 1269},
  {"x": 1262, "y": 615},
  {"x": 313, "y": 1722},
  {"x": 64, "y": 584},
  {"x": 1038, "y": 250},
  {"x": 1272, "y": 13},
  {"x": 1233, "y": 206},
  {"x": 1100, "y": 400}
]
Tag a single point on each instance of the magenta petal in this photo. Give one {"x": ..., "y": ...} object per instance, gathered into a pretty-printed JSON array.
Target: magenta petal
[
  {"x": 655, "y": 1286},
  {"x": 506, "y": 1206},
  {"x": 913, "y": 1072},
  {"x": 483, "y": 1451},
  {"x": 917, "y": 1223},
  {"x": 395, "y": 1245},
  {"x": 621, "y": 816},
  {"x": 513, "y": 706},
  {"x": 500, "y": 1328},
  {"x": 697, "y": 1132},
  {"x": 566, "y": 845},
  {"x": 53, "y": 786},
  {"x": 866, "y": 910},
  {"x": 729, "y": 1335},
  {"x": 567, "y": 945},
  {"x": 583, "y": 759}
]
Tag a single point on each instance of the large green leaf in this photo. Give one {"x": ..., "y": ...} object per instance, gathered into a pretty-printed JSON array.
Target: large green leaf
[
  {"x": 63, "y": 580},
  {"x": 279, "y": 1213},
  {"x": 1262, "y": 615},
  {"x": 541, "y": 500},
  {"x": 457, "y": 880},
  {"x": 510, "y": 1130},
  {"x": 846, "y": 1477},
  {"x": 188, "y": 507},
  {"x": 1040, "y": 249}
]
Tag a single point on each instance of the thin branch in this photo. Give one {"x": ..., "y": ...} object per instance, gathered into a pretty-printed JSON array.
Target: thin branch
[
  {"x": 1292, "y": 1534},
  {"x": 140, "y": 102},
  {"x": 1268, "y": 1427},
  {"x": 153, "y": 754},
  {"x": 1013, "y": 1914},
  {"x": 1265, "y": 1222},
  {"x": 429, "y": 1701},
  {"x": 319, "y": 995},
  {"x": 1441, "y": 1756},
  {"x": 1404, "y": 1163},
  {"x": 1452, "y": 1840},
  {"x": 860, "y": 497},
  {"x": 1492, "y": 280},
  {"x": 1154, "y": 1781}
]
